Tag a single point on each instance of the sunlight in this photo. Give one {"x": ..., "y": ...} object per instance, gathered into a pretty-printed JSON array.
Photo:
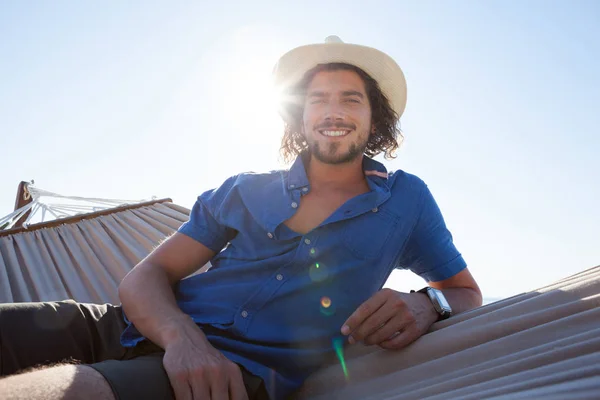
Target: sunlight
[{"x": 248, "y": 100}]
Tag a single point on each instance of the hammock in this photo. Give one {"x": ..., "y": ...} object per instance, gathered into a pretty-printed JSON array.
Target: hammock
[
  {"x": 541, "y": 344},
  {"x": 83, "y": 257}
]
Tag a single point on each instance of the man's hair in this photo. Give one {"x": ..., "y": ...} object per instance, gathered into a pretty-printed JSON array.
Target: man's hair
[{"x": 387, "y": 135}]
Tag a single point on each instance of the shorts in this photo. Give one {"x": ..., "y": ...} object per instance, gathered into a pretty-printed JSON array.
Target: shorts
[{"x": 39, "y": 334}]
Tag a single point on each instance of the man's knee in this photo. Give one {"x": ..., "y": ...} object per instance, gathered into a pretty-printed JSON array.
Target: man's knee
[{"x": 58, "y": 382}]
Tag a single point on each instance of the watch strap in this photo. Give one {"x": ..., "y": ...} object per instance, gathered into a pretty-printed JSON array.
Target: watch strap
[{"x": 442, "y": 314}]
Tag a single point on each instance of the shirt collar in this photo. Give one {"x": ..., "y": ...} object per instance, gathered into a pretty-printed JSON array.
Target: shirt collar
[
  {"x": 297, "y": 177},
  {"x": 376, "y": 173}
]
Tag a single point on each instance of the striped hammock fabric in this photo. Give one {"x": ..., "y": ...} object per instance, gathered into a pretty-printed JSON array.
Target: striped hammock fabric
[
  {"x": 541, "y": 344},
  {"x": 83, "y": 260}
]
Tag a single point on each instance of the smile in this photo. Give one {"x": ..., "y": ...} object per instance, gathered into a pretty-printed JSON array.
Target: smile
[{"x": 334, "y": 133}]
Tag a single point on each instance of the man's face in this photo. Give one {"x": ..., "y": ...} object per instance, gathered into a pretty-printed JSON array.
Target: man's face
[{"x": 337, "y": 116}]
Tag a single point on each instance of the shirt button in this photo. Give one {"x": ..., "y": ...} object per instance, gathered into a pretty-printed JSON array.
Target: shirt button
[
  {"x": 244, "y": 313},
  {"x": 292, "y": 186},
  {"x": 270, "y": 235},
  {"x": 307, "y": 241},
  {"x": 375, "y": 209},
  {"x": 305, "y": 189},
  {"x": 294, "y": 205},
  {"x": 279, "y": 277}
]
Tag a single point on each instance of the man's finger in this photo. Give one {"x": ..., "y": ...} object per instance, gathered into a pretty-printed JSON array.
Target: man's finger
[
  {"x": 403, "y": 339},
  {"x": 364, "y": 311},
  {"x": 181, "y": 388},
  {"x": 219, "y": 386},
  {"x": 391, "y": 328},
  {"x": 376, "y": 321},
  {"x": 237, "y": 389},
  {"x": 200, "y": 388}
]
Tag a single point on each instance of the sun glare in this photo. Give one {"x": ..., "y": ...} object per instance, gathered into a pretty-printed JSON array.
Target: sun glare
[{"x": 249, "y": 101}]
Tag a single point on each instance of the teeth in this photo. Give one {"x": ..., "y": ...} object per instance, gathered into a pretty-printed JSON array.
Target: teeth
[{"x": 334, "y": 133}]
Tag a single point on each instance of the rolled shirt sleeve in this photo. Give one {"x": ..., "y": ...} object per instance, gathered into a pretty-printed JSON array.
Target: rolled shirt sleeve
[
  {"x": 205, "y": 224},
  {"x": 430, "y": 251}
]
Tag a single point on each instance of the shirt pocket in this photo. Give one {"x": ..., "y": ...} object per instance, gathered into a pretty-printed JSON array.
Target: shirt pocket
[
  {"x": 365, "y": 236},
  {"x": 205, "y": 301}
]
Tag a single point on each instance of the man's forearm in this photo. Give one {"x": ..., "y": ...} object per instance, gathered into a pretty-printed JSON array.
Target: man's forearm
[
  {"x": 462, "y": 299},
  {"x": 461, "y": 291},
  {"x": 149, "y": 302}
]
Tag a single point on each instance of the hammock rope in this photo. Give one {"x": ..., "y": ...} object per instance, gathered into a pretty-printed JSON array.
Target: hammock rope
[{"x": 45, "y": 201}]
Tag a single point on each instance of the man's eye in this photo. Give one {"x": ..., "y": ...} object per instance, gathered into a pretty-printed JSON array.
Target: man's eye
[
  {"x": 353, "y": 101},
  {"x": 317, "y": 101}
]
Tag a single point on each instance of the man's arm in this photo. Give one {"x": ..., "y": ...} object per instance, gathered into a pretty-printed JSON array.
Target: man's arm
[
  {"x": 146, "y": 292},
  {"x": 393, "y": 319},
  {"x": 195, "y": 368},
  {"x": 461, "y": 291}
]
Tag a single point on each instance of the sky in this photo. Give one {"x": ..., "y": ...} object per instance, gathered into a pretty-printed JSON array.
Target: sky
[{"x": 131, "y": 100}]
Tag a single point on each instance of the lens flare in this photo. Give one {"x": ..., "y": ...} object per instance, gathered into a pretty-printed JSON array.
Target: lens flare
[
  {"x": 338, "y": 346},
  {"x": 327, "y": 307},
  {"x": 313, "y": 252},
  {"x": 318, "y": 272}
]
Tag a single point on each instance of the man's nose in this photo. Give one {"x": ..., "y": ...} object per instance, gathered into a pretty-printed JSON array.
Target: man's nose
[{"x": 334, "y": 111}]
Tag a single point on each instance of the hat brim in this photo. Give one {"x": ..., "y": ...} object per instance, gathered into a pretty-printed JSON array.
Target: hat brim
[{"x": 292, "y": 66}]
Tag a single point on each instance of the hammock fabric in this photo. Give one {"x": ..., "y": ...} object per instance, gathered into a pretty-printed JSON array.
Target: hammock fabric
[
  {"x": 540, "y": 344},
  {"x": 82, "y": 258}
]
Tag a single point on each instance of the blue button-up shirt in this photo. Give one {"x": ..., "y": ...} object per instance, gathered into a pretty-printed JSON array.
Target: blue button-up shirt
[{"x": 274, "y": 300}]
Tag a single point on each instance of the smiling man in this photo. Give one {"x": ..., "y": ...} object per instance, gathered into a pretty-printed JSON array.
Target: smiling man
[
  {"x": 339, "y": 140},
  {"x": 299, "y": 258}
]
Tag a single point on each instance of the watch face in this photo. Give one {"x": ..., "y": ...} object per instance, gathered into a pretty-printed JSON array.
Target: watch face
[{"x": 442, "y": 300}]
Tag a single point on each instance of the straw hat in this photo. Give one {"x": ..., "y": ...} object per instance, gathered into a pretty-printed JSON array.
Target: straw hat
[{"x": 292, "y": 66}]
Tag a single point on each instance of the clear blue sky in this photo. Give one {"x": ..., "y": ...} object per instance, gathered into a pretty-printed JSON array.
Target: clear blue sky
[{"x": 145, "y": 98}]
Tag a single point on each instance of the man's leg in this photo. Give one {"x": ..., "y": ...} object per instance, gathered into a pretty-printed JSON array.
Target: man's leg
[
  {"x": 34, "y": 334},
  {"x": 60, "y": 382},
  {"x": 139, "y": 378},
  {"x": 144, "y": 377}
]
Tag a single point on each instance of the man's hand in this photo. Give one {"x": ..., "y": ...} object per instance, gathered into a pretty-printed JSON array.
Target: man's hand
[
  {"x": 198, "y": 371},
  {"x": 390, "y": 319}
]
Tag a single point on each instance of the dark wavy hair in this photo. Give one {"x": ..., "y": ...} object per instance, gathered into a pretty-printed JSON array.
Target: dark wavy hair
[{"x": 386, "y": 138}]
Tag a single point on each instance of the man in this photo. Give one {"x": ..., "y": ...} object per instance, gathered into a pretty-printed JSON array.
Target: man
[{"x": 298, "y": 257}]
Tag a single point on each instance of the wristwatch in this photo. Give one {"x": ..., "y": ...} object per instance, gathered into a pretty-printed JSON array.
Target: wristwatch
[{"x": 439, "y": 301}]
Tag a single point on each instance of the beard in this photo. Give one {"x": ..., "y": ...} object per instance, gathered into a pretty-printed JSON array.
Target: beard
[{"x": 328, "y": 153}]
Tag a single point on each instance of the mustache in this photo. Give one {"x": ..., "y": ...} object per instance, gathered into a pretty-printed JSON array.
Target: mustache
[{"x": 332, "y": 126}]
